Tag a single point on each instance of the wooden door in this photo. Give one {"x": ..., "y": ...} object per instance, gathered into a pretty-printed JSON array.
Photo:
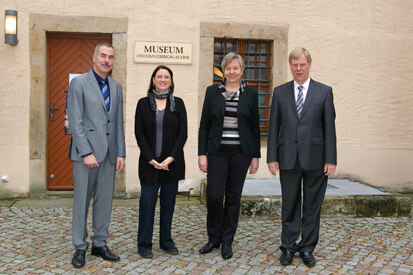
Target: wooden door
[{"x": 66, "y": 54}]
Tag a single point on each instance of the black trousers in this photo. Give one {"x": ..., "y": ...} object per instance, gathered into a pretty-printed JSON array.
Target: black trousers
[
  {"x": 307, "y": 221},
  {"x": 147, "y": 203},
  {"x": 226, "y": 176}
]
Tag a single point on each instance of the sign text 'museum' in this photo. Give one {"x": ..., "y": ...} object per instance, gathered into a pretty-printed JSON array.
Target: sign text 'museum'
[{"x": 163, "y": 52}]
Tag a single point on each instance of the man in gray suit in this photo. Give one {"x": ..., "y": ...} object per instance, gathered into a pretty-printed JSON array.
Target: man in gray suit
[
  {"x": 302, "y": 145},
  {"x": 97, "y": 150}
]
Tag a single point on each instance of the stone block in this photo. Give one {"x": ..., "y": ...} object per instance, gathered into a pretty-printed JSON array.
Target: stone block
[
  {"x": 256, "y": 206},
  {"x": 338, "y": 205},
  {"x": 375, "y": 206}
]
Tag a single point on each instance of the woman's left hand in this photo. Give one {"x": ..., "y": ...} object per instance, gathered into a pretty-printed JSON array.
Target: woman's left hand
[
  {"x": 164, "y": 164},
  {"x": 254, "y": 165}
]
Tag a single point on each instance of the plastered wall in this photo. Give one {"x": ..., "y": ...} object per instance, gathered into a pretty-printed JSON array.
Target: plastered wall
[{"x": 361, "y": 48}]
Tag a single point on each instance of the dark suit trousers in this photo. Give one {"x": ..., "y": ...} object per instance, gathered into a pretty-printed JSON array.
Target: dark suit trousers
[
  {"x": 147, "y": 203},
  {"x": 226, "y": 176},
  {"x": 314, "y": 184}
]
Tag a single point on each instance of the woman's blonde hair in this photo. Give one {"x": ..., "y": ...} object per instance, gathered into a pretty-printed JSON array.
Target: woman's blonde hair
[{"x": 232, "y": 56}]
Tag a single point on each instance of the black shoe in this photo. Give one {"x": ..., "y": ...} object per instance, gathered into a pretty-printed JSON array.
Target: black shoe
[
  {"x": 172, "y": 250},
  {"x": 105, "y": 253},
  {"x": 208, "y": 248},
  {"x": 146, "y": 254},
  {"x": 308, "y": 258},
  {"x": 287, "y": 257},
  {"x": 226, "y": 251},
  {"x": 78, "y": 259}
]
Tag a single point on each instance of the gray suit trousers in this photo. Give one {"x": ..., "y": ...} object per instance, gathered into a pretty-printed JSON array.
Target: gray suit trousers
[{"x": 98, "y": 181}]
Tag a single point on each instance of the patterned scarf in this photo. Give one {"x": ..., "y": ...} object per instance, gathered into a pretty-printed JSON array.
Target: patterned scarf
[
  {"x": 155, "y": 94},
  {"x": 230, "y": 95}
]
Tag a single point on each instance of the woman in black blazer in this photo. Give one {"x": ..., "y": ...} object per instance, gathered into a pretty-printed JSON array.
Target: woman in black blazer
[
  {"x": 229, "y": 144},
  {"x": 161, "y": 132}
]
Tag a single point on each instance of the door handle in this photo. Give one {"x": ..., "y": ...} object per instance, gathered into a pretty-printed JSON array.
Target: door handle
[{"x": 51, "y": 111}]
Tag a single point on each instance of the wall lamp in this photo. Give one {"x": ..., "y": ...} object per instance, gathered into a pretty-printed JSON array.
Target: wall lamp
[{"x": 10, "y": 27}]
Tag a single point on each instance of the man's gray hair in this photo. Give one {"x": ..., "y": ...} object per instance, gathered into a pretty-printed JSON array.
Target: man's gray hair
[
  {"x": 297, "y": 52},
  {"x": 103, "y": 44}
]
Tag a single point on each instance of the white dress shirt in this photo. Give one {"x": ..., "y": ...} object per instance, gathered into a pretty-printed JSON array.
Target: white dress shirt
[{"x": 305, "y": 89}]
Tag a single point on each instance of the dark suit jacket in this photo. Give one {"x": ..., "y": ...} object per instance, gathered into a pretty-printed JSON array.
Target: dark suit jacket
[
  {"x": 175, "y": 134},
  {"x": 212, "y": 122},
  {"x": 93, "y": 130},
  {"x": 312, "y": 137}
]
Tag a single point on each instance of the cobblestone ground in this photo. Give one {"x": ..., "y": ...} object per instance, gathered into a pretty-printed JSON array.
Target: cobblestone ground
[{"x": 38, "y": 240}]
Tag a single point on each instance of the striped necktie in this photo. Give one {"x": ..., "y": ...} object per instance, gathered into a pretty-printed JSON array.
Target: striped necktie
[
  {"x": 106, "y": 95},
  {"x": 300, "y": 101}
]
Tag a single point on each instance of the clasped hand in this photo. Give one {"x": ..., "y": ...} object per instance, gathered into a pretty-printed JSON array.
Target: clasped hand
[{"x": 163, "y": 165}]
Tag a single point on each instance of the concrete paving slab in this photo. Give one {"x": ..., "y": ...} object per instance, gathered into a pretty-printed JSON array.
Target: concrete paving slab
[{"x": 335, "y": 187}]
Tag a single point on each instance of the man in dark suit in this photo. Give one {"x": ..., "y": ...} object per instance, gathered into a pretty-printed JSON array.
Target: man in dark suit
[
  {"x": 302, "y": 145},
  {"x": 97, "y": 150}
]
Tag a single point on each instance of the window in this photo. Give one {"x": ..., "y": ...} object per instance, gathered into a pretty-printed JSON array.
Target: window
[{"x": 257, "y": 56}]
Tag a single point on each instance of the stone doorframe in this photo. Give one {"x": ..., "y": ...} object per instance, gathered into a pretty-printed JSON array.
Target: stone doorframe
[
  {"x": 208, "y": 31},
  {"x": 39, "y": 25}
]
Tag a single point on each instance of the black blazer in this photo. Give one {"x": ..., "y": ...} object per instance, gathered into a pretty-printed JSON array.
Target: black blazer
[
  {"x": 312, "y": 137},
  {"x": 212, "y": 122},
  {"x": 175, "y": 133}
]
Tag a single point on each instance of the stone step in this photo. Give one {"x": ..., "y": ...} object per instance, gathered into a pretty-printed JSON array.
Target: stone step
[
  {"x": 262, "y": 198},
  {"x": 344, "y": 197}
]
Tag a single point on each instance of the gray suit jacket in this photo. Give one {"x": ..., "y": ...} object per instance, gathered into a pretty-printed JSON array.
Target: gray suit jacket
[
  {"x": 312, "y": 137},
  {"x": 93, "y": 130}
]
